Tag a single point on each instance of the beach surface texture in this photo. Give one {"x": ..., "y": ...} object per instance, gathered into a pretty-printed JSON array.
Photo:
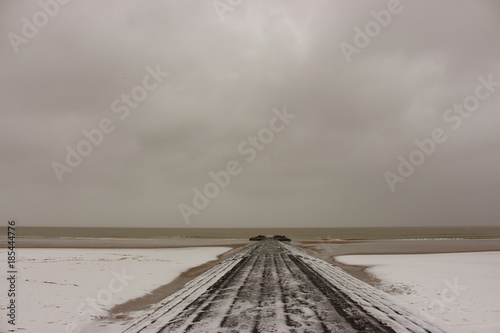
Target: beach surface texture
[{"x": 271, "y": 286}]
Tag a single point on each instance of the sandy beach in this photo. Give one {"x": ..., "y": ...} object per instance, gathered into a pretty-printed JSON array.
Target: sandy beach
[{"x": 55, "y": 267}]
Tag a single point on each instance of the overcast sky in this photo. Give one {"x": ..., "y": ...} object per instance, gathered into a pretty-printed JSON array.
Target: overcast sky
[{"x": 334, "y": 113}]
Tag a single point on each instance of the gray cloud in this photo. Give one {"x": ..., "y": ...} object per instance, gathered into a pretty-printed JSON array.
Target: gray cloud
[{"x": 324, "y": 169}]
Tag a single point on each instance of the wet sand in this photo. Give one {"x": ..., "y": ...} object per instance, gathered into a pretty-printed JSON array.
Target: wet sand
[
  {"x": 420, "y": 246},
  {"x": 123, "y": 243}
]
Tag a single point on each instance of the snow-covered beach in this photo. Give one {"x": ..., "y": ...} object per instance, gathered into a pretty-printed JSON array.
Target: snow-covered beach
[
  {"x": 62, "y": 289},
  {"x": 457, "y": 291},
  {"x": 450, "y": 282}
]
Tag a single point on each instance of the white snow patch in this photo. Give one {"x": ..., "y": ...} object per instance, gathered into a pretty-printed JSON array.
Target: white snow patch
[
  {"x": 55, "y": 287},
  {"x": 458, "y": 291}
]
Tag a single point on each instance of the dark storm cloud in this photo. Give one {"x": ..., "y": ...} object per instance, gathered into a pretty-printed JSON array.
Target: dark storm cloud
[{"x": 326, "y": 168}]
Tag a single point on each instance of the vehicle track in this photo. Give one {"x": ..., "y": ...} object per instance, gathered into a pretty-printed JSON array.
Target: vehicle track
[{"x": 274, "y": 287}]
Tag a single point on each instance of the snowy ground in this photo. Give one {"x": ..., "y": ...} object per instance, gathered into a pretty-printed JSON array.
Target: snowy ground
[
  {"x": 275, "y": 287},
  {"x": 457, "y": 291},
  {"x": 57, "y": 288},
  {"x": 60, "y": 290}
]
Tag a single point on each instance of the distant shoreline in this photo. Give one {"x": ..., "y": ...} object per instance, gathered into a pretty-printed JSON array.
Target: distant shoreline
[{"x": 328, "y": 234}]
